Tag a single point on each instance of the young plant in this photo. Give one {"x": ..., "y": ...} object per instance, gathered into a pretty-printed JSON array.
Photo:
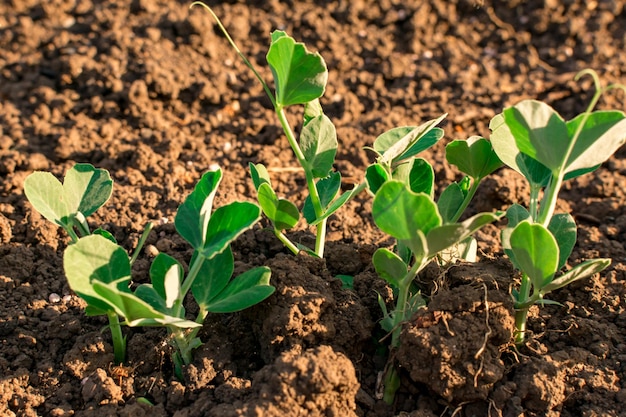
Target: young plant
[
  {"x": 84, "y": 190},
  {"x": 300, "y": 78},
  {"x": 534, "y": 140},
  {"x": 404, "y": 208},
  {"x": 99, "y": 270}
]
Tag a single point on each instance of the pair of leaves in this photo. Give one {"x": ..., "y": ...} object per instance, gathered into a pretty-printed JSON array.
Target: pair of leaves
[
  {"x": 213, "y": 289},
  {"x": 414, "y": 220},
  {"x": 99, "y": 271},
  {"x": 84, "y": 190},
  {"x": 536, "y": 252},
  {"x": 211, "y": 233},
  {"x": 282, "y": 213},
  {"x": 533, "y": 139},
  {"x": 562, "y": 227}
]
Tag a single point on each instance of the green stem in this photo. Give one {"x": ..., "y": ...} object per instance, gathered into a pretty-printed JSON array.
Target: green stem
[
  {"x": 534, "y": 201},
  {"x": 119, "y": 341},
  {"x": 548, "y": 203},
  {"x": 236, "y": 48},
  {"x": 310, "y": 181},
  {"x": 186, "y": 286},
  {"x": 391, "y": 378},
  {"x": 285, "y": 240},
  {"x": 142, "y": 241},
  {"x": 468, "y": 198},
  {"x": 521, "y": 309},
  {"x": 521, "y": 315}
]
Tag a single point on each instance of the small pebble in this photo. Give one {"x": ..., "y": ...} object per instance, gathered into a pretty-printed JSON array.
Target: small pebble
[
  {"x": 151, "y": 250},
  {"x": 54, "y": 298}
]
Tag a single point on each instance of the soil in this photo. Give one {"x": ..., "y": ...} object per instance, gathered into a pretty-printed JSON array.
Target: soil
[{"x": 151, "y": 91}]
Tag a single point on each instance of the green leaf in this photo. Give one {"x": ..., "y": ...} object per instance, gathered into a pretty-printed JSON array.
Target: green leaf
[
  {"x": 375, "y": 175},
  {"x": 95, "y": 258},
  {"x": 402, "y": 143},
  {"x": 213, "y": 277},
  {"x": 603, "y": 133},
  {"x": 505, "y": 147},
  {"x": 389, "y": 266},
  {"x": 515, "y": 215},
  {"x": 259, "y": 175},
  {"x": 327, "y": 189},
  {"x": 312, "y": 109},
  {"x": 244, "y": 291},
  {"x": 300, "y": 76},
  {"x": 136, "y": 311},
  {"x": 418, "y": 174},
  {"x": 474, "y": 157},
  {"x": 226, "y": 224},
  {"x": 318, "y": 142},
  {"x": 539, "y": 131},
  {"x": 580, "y": 271},
  {"x": 282, "y": 213},
  {"x": 85, "y": 189},
  {"x": 347, "y": 281},
  {"x": 166, "y": 275},
  {"x": 405, "y": 215},
  {"x": 192, "y": 217},
  {"x": 450, "y": 201},
  {"x": 536, "y": 252},
  {"x": 563, "y": 228},
  {"x": 47, "y": 196},
  {"x": 443, "y": 237}
]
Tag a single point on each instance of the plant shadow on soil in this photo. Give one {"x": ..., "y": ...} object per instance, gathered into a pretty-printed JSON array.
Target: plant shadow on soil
[{"x": 150, "y": 91}]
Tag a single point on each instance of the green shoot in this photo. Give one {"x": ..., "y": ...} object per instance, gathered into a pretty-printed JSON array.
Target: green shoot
[
  {"x": 533, "y": 139},
  {"x": 300, "y": 78}
]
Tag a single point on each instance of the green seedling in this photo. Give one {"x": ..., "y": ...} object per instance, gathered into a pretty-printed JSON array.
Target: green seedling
[
  {"x": 397, "y": 159},
  {"x": 99, "y": 270},
  {"x": 413, "y": 219},
  {"x": 300, "y": 78},
  {"x": 84, "y": 190},
  {"x": 404, "y": 207},
  {"x": 533, "y": 139}
]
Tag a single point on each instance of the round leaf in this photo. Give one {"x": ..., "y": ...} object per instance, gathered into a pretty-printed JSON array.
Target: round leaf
[
  {"x": 536, "y": 252},
  {"x": 300, "y": 75}
]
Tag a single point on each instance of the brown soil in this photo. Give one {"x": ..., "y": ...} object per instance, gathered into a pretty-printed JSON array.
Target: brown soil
[{"x": 152, "y": 92}]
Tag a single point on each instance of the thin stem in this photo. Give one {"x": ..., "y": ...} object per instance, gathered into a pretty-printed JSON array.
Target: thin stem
[
  {"x": 401, "y": 305},
  {"x": 236, "y": 48},
  {"x": 310, "y": 180},
  {"x": 186, "y": 286},
  {"x": 468, "y": 198},
  {"x": 548, "y": 203},
  {"x": 142, "y": 241},
  {"x": 320, "y": 238},
  {"x": 119, "y": 341},
  {"x": 534, "y": 201},
  {"x": 285, "y": 240}
]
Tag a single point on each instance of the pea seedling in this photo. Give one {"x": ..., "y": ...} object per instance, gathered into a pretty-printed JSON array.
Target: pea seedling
[
  {"x": 533, "y": 139},
  {"x": 404, "y": 208},
  {"x": 99, "y": 270},
  {"x": 300, "y": 78},
  {"x": 84, "y": 190}
]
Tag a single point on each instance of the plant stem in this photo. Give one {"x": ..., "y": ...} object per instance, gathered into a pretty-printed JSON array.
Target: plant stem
[
  {"x": 142, "y": 241},
  {"x": 521, "y": 315},
  {"x": 468, "y": 198},
  {"x": 310, "y": 181},
  {"x": 521, "y": 309},
  {"x": 548, "y": 203},
  {"x": 285, "y": 240},
  {"x": 119, "y": 341}
]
